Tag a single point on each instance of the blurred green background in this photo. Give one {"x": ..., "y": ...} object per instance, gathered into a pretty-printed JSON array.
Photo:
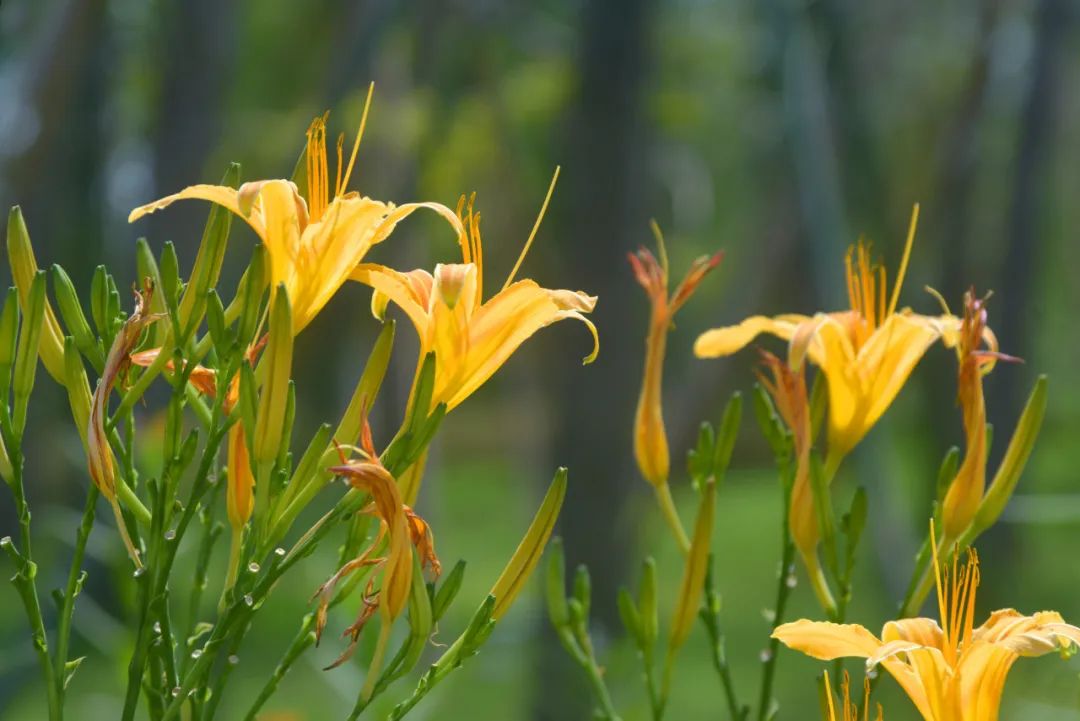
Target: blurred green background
[{"x": 778, "y": 130}]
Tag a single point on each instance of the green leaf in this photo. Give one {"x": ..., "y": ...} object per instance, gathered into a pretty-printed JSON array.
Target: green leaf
[
  {"x": 447, "y": 590},
  {"x": 725, "y": 437}
]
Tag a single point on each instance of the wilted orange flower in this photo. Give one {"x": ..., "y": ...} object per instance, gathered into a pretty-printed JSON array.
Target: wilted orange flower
[
  {"x": 966, "y": 490},
  {"x": 952, "y": 671},
  {"x": 314, "y": 242},
  {"x": 402, "y": 530},
  {"x": 99, "y": 452},
  {"x": 472, "y": 338}
]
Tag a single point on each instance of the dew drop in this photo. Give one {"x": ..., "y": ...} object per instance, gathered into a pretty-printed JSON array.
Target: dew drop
[
  {"x": 765, "y": 655},
  {"x": 248, "y": 600},
  {"x": 792, "y": 581},
  {"x": 157, "y": 627},
  {"x": 768, "y": 614},
  {"x": 196, "y": 653},
  {"x": 176, "y": 691},
  {"x": 279, "y": 552},
  {"x": 233, "y": 660},
  {"x": 253, "y": 567},
  {"x": 138, "y": 572},
  {"x": 170, "y": 534}
]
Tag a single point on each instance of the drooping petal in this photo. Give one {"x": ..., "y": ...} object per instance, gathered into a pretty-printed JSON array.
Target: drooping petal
[
  {"x": 827, "y": 641},
  {"x": 222, "y": 195},
  {"x": 733, "y": 338}
]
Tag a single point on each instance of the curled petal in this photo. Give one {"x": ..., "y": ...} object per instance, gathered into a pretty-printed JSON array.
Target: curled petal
[{"x": 731, "y": 339}]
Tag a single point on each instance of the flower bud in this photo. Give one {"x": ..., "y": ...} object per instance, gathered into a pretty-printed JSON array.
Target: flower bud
[
  {"x": 528, "y": 552},
  {"x": 23, "y": 268}
]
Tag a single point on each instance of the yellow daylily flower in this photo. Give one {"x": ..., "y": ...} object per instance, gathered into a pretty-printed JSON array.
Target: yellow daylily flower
[
  {"x": 847, "y": 710},
  {"x": 471, "y": 337},
  {"x": 313, "y": 242},
  {"x": 867, "y": 353},
  {"x": 952, "y": 671}
]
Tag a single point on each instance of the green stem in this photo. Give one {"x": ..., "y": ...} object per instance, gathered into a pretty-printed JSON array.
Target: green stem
[
  {"x": 671, "y": 516},
  {"x": 74, "y": 582},
  {"x": 26, "y": 569},
  {"x": 783, "y": 591},
  {"x": 304, "y": 639}
]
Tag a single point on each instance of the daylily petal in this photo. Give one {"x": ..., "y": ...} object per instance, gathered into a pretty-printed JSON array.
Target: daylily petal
[
  {"x": 827, "y": 641},
  {"x": 502, "y": 324},
  {"x": 222, "y": 195},
  {"x": 733, "y": 338},
  {"x": 410, "y": 291},
  {"x": 921, "y": 631}
]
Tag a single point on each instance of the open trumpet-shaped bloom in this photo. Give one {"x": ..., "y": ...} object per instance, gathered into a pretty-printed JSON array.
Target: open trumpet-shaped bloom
[
  {"x": 867, "y": 353},
  {"x": 952, "y": 671},
  {"x": 313, "y": 242},
  {"x": 471, "y": 338}
]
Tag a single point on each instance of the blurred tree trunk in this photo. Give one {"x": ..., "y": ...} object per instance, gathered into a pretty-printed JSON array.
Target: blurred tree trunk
[
  {"x": 1027, "y": 212},
  {"x": 198, "y": 38},
  {"x": 57, "y": 180},
  {"x": 1020, "y": 299},
  {"x": 604, "y": 210}
]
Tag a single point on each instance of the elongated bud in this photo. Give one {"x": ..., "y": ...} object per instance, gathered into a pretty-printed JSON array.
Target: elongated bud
[
  {"x": 207, "y": 268},
  {"x": 650, "y": 437},
  {"x": 528, "y": 552},
  {"x": 9, "y": 334},
  {"x": 646, "y": 605},
  {"x": 26, "y": 358},
  {"x": 693, "y": 580},
  {"x": 67, "y": 300},
  {"x": 23, "y": 269},
  {"x": 1016, "y": 456},
  {"x": 270, "y": 419},
  {"x": 249, "y": 295},
  {"x": 78, "y": 388},
  {"x": 239, "y": 499}
]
